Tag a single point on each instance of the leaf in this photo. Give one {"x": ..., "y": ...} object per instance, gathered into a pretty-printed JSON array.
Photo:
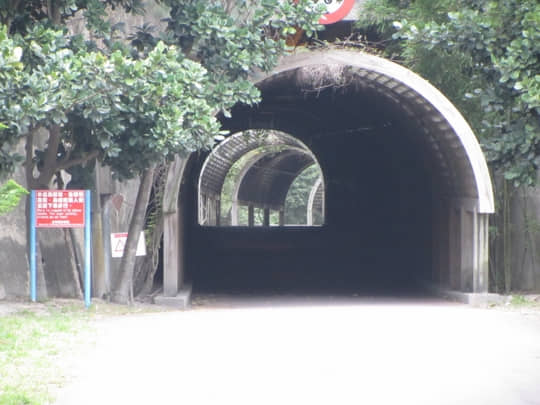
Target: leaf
[{"x": 10, "y": 194}]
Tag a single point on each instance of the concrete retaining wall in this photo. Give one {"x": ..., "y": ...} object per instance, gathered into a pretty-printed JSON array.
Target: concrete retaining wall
[
  {"x": 59, "y": 251},
  {"x": 13, "y": 253}
]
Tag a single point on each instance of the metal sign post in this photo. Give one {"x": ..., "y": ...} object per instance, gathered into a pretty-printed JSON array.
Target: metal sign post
[
  {"x": 61, "y": 209},
  {"x": 87, "y": 249},
  {"x": 33, "y": 277}
]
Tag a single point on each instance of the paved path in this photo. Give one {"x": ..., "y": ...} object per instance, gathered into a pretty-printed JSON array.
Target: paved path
[{"x": 316, "y": 352}]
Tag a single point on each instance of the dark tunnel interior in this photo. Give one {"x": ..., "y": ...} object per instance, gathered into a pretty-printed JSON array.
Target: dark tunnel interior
[{"x": 376, "y": 238}]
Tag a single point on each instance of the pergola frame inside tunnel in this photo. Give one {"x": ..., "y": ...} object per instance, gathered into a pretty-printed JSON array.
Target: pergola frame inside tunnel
[
  {"x": 273, "y": 161},
  {"x": 463, "y": 197}
]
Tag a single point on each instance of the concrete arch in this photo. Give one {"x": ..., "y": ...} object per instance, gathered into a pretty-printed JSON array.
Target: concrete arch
[
  {"x": 227, "y": 152},
  {"x": 317, "y": 189},
  {"x": 448, "y": 147},
  {"x": 420, "y": 88}
]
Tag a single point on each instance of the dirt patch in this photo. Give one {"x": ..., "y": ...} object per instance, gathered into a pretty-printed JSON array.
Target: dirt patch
[{"x": 14, "y": 306}]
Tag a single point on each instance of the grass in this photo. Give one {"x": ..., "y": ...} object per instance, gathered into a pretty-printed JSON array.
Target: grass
[
  {"x": 519, "y": 300},
  {"x": 523, "y": 301},
  {"x": 35, "y": 344},
  {"x": 31, "y": 342}
]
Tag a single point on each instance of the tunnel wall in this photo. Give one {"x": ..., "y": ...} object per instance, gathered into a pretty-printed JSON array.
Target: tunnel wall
[
  {"x": 459, "y": 217},
  {"x": 351, "y": 249}
]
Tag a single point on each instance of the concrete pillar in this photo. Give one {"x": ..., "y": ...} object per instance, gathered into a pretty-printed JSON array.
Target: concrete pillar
[
  {"x": 475, "y": 251},
  {"x": 266, "y": 219},
  {"x": 438, "y": 245},
  {"x": 454, "y": 248},
  {"x": 311, "y": 201},
  {"x": 435, "y": 245},
  {"x": 173, "y": 230},
  {"x": 202, "y": 209},
  {"x": 481, "y": 270},
  {"x": 171, "y": 257},
  {"x": 443, "y": 238},
  {"x": 211, "y": 210},
  {"x": 218, "y": 212},
  {"x": 175, "y": 292},
  {"x": 468, "y": 252},
  {"x": 251, "y": 215},
  {"x": 467, "y": 240},
  {"x": 234, "y": 212},
  {"x": 282, "y": 217}
]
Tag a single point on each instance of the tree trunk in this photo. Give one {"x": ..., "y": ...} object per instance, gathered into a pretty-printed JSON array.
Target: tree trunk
[
  {"x": 122, "y": 293},
  {"x": 144, "y": 276},
  {"x": 145, "y": 269}
]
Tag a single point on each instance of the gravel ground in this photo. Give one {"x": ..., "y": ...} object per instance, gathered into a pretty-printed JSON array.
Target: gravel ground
[{"x": 286, "y": 350}]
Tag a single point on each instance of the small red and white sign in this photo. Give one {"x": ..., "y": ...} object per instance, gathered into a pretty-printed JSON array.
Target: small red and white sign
[
  {"x": 337, "y": 10},
  {"x": 59, "y": 208},
  {"x": 118, "y": 243}
]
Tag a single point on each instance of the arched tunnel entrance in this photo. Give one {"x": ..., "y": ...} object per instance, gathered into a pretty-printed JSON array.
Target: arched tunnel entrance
[{"x": 406, "y": 188}]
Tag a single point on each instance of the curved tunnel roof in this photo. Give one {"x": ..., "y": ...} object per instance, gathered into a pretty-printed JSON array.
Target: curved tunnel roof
[
  {"x": 223, "y": 157},
  {"x": 266, "y": 177},
  {"x": 268, "y": 180},
  {"x": 451, "y": 147}
]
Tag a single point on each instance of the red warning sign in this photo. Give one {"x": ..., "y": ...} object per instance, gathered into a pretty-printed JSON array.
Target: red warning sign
[
  {"x": 59, "y": 208},
  {"x": 337, "y": 10}
]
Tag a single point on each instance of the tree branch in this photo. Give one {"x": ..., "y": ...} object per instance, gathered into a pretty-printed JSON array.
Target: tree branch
[{"x": 66, "y": 164}]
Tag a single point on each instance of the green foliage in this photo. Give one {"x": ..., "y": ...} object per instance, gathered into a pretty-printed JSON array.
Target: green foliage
[
  {"x": 233, "y": 42},
  {"x": 21, "y": 16},
  {"x": 130, "y": 108},
  {"x": 524, "y": 301},
  {"x": 13, "y": 396},
  {"x": 296, "y": 203},
  {"x": 10, "y": 77},
  {"x": 107, "y": 105},
  {"x": 485, "y": 55},
  {"x": 10, "y": 195}
]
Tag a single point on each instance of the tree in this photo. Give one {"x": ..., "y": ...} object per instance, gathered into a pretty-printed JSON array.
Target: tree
[
  {"x": 296, "y": 203},
  {"x": 131, "y": 107},
  {"x": 485, "y": 55},
  {"x": 230, "y": 39}
]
